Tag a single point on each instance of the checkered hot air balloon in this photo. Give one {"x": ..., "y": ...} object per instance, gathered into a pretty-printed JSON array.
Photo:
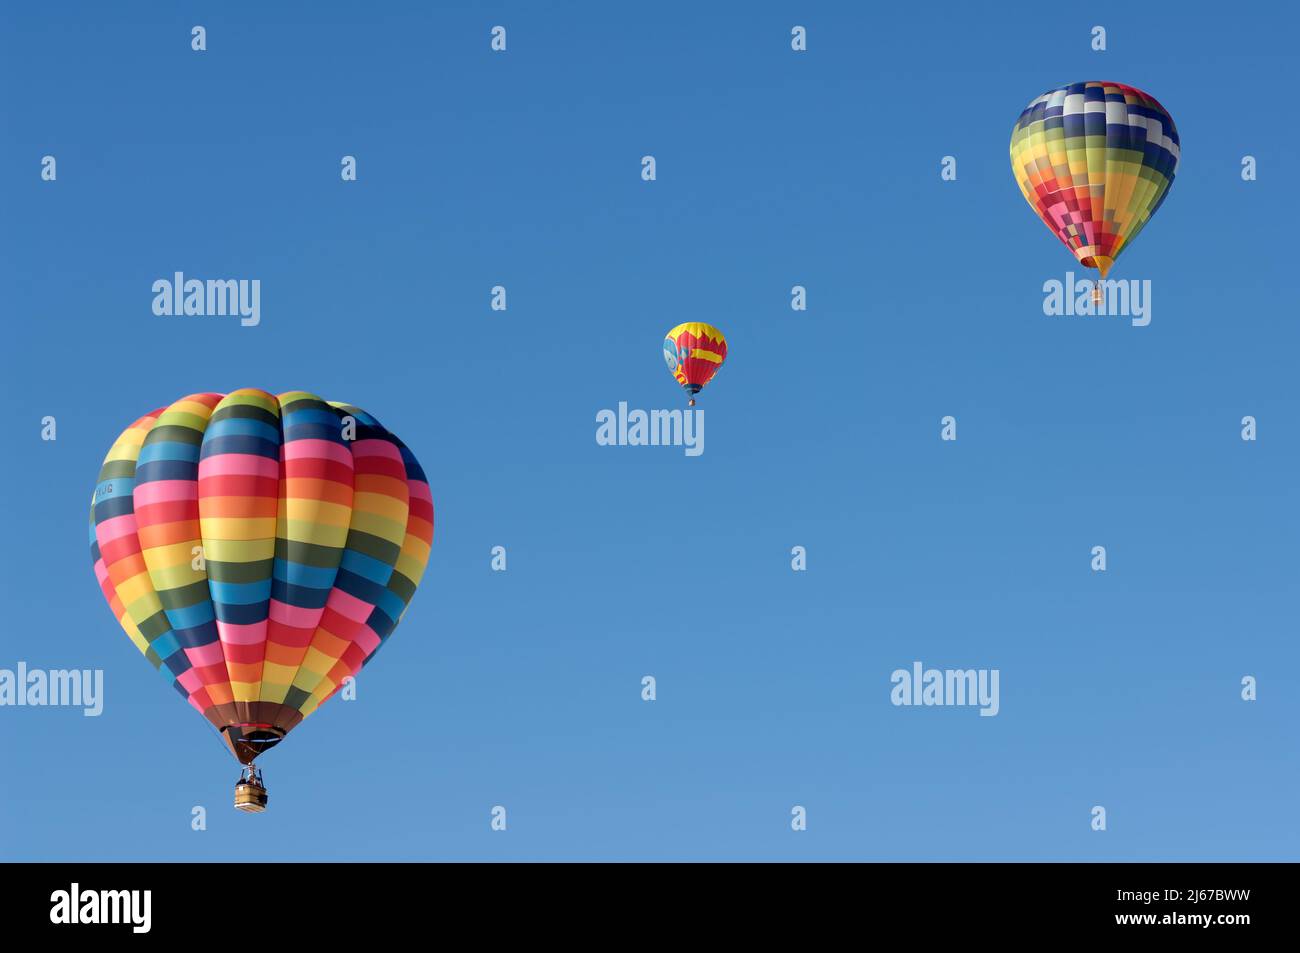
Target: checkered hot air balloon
[
  {"x": 693, "y": 352},
  {"x": 1095, "y": 160},
  {"x": 258, "y": 549}
]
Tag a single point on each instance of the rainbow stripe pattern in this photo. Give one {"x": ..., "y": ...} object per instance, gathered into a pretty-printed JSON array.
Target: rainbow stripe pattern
[
  {"x": 258, "y": 549},
  {"x": 1095, "y": 161}
]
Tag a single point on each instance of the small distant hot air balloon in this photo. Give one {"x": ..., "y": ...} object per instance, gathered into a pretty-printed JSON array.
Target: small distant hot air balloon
[
  {"x": 694, "y": 351},
  {"x": 1095, "y": 160},
  {"x": 258, "y": 549}
]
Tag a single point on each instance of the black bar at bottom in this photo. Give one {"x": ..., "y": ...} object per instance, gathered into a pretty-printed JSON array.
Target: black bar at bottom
[{"x": 322, "y": 904}]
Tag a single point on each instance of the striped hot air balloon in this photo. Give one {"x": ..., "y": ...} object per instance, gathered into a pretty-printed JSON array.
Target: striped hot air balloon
[
  {"x": 694, "y": 351},
  {"x": 258, "y": 549},
  {"x": 1095, "y": 160}
]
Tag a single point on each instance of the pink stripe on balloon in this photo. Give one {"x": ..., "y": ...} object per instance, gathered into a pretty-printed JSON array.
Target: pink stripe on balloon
[
  {"x": 376, "y": 448},
  {"x": 165, "y": 491},
  {"x": 297, "y": 616},
  {"x": 367, "y": 639},
  {"x": 238, "y": 464},
  {"x": 252, "y": 633},
  {"x": 349, "y": 607},
  {"x": 315, "y": 450},
  {"x": 115, "y": 528},
  {"x": 210, "y": 654}
]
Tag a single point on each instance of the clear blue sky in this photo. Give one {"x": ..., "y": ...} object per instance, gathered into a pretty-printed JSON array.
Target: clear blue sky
[{"x": 523, "y": 688}]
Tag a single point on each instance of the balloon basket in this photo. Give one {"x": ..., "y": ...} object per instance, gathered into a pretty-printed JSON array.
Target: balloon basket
[{"x": 250, "y": 793}]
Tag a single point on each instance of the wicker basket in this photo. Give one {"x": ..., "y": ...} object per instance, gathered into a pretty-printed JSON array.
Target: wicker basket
[{"x": 250, "y": 797}]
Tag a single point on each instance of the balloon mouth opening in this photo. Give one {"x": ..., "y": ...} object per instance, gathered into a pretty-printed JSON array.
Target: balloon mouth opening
[
  {"x": 246, "y": 742},
  {"x": 1101, "y": 262}
]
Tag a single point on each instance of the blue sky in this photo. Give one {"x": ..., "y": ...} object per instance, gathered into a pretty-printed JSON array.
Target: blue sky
[{"x": 522, "y": 688}]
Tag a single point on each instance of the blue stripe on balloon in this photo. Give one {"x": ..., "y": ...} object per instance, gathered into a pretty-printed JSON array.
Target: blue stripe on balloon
[
  {"x": 367, "y": 567},
  {"x": 191, "y": 617},
  {"x": 239, "y": 593},
  {"x": 240, "y": 443},
  {"x": 298, "y": 574}
]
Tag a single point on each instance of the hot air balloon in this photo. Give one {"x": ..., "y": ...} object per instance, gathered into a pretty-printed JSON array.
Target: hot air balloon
[
  {"x": 1095, "y": 160},
  {"x": 258, "y": 549},
  {"x": 694, "y": 351}
]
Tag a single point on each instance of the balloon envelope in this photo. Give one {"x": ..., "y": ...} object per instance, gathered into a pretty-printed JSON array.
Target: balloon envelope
[
  {"x": 258, "y": 549},
  {"x": 693, "y": 352},
  {"x": 1095, "y": 160}
]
